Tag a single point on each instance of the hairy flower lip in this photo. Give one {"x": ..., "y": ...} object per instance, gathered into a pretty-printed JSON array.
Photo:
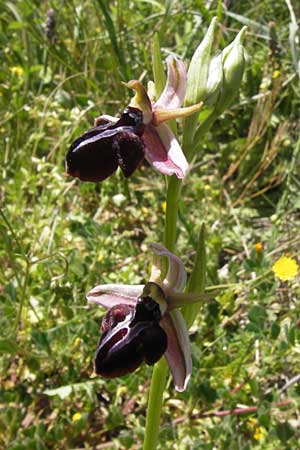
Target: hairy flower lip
[
  {"x": 97, "y": 153},
  {"x": 178, "y": 353},
  {"x": 126, "y": 342}
]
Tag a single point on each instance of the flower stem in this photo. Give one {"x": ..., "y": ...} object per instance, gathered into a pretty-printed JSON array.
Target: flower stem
[
  {"x": 160, "y": 371},
  {"x": 173, "y": 192},
  {"x": 158, "y": 383}
]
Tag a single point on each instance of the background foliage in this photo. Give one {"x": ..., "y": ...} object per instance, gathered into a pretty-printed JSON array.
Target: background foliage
[{"x": 60, "y": 237}]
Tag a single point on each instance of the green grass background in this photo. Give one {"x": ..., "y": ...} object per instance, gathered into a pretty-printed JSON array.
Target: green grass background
[{"x": 60, "y": 237}]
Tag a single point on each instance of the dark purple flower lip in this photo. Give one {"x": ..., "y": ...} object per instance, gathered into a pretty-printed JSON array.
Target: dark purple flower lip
[
  {"x": 97, "y": 153},
  {"x": 131, "y": 335}
]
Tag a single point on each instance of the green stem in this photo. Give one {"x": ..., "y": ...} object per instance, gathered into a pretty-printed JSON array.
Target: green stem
[
  {"x": 201, "y": 131},
  {"x": 23, "y": 295},
  {"x": 155, "y": 401},
  {"x": 160, "y": 371},
  {"x": 173, "y": 192}
]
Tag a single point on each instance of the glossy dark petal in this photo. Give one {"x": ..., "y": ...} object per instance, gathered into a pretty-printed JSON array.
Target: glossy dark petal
[
  {"x": 96, "y": 154},
  {"x": 118, "y": 355},
  {"x": 129, "y": 150},
  {"x": 91, "y": 157},
  {"x": 155, "y": 343},
  {"x": 131, "y": 335},
  {"x": 132, "y": 117},
  {"x": 146, "y": 310},
  {"x": 123, "y": 350}
]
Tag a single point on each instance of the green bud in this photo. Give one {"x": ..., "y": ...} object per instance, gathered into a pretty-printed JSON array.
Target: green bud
[
  {"x": 214, "y": 81},
  {"x": 233, "y": 60},
  {"x": 199, "y": 67},
  {"x": 196, "y": 82}
]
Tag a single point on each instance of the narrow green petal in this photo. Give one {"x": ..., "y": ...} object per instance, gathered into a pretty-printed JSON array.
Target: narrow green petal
[
  {"x": 181, "y": 299},
  {"x": 162, "y": 115}
]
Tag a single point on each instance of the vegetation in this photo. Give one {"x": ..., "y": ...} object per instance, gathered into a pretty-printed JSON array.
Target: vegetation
[{"x": 61, "y": 237}]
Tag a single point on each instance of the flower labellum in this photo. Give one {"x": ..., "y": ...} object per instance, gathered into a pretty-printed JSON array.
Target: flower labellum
[
  {"x": 130, "y": 336},
  {"x": 139, "y": 133},
  {"x": 96, "y": 154},
  {"x": 143, "y": 322}
]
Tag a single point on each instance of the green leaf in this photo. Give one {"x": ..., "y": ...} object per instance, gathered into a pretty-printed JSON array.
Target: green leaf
[
  {"x": 198, "y": 276},
  {"x": 8, "y": 346},
  {"x": 115, "y": 43},
  {"x": 258, "y": 27},
  {"x": 257, "y": 317},
  {"x": 275, "y": 330},
  {"x": 284, "y": 431},
  {"x": 197, "y": 279}
]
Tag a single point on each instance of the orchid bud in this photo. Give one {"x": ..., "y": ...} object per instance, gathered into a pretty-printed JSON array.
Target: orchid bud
[
  {"x": 199, "y": 67},
  {"x": 233, "y": 60},
  {"x": 215, "y": 80},
  {"x": 196, "y": 81}
]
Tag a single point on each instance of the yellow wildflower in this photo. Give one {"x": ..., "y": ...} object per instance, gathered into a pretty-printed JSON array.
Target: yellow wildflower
[
  {"x": 259, "y": 433},
  {"x": 76, "y": 416},
  {"x": 77, "y": 342},
  {"x": 100, "y": 257},
  {"x": 285, "y": 268},
  {"x": 17, "y": 70},
  {"x": 276, "y": 74},
  {"x": 164, "y": 206},
  {"x": 256, "y": 430}
]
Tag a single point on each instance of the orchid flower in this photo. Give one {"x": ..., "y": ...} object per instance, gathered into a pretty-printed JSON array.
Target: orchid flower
[
  {"x": 139, "y": 133},
  {"x": 143, "y": 322}
]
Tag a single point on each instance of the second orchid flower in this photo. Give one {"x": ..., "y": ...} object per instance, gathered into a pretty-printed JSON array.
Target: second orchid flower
[
  {"x": 143, "y": 322},
  {"x": 139, "y": 133}
]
